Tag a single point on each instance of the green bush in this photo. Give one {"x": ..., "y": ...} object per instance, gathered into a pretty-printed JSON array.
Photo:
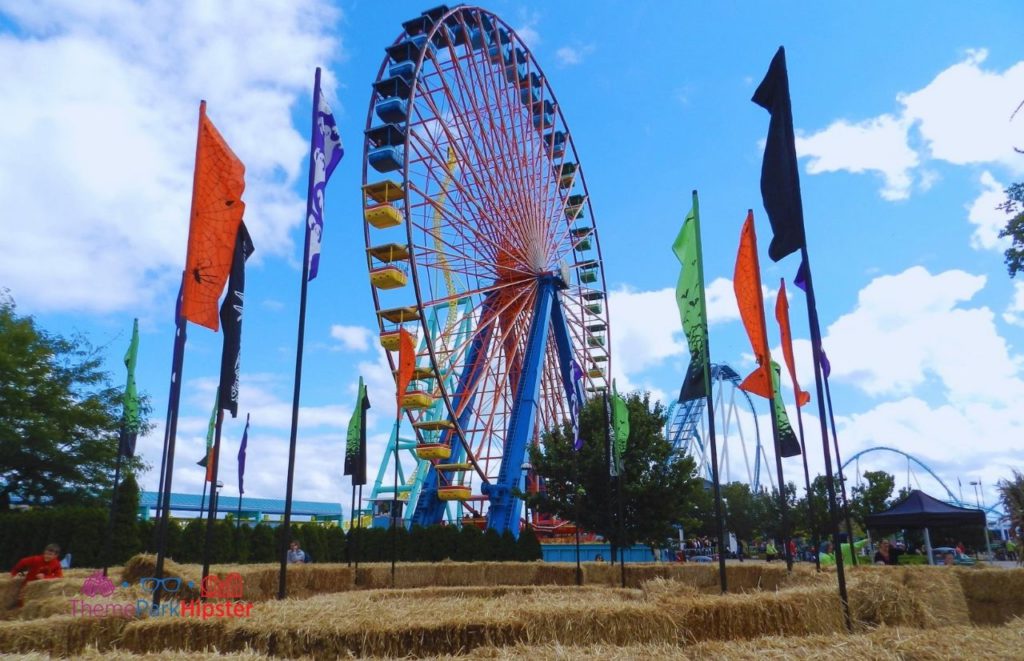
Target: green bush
[{"x": 528, "y": 547}]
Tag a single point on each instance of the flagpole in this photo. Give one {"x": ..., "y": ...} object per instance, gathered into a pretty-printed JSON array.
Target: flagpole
[
  {"x": 163, "y": 469},
  {"x": 352, "y": 517},
  {"x": 358, "y": 536},
  {"x": 202, "y": 502},
  {"x": 716, "y": 484},
  {"x": 812, "y": 318},
  {"x": 576, "y": 504},
  {"x": 174, "y": 397},
  {"x": 608, "y": 459},
  {"x": 113, "y": 501},
  {"x": 211, "y": 516},
  {"x": 839, "y": 465},
  {"x": 394, "y": 501},
  {"x": 283, "y": 577}
]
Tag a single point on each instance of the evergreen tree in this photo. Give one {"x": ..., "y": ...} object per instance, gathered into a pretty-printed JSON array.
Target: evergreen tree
[{"x": 528, "y": 547}]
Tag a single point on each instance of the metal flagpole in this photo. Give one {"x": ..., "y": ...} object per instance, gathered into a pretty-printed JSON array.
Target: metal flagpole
[
  {"x": 211, "y": 516},
  {"x": 394, "y": 502},
  {"x": 839, "y": 464},
  {"x": 282, "y": 581}
]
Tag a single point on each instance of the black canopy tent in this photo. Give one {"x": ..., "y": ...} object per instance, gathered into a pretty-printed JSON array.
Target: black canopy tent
[{"x": 919, "y": 510}]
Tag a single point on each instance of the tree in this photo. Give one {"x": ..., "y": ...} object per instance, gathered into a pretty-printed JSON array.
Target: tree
[
  {"x": 871, "y": 497},
  {"x": 744, "y": 511},
  {"x": 59, "y": 416},
  {"x": 1011, "y": 493},
  {"x": 1014, "y": 230},
  {"x": 660, "y": 488},
  {"x": 125, "y": 542}
]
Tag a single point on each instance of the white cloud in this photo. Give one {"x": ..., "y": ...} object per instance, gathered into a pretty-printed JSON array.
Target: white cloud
[
  {"x": 878, "y": 145},
  {"x": 962, "y": 117},
  {"x": 529, "y": 35},
  {"x": 353, "y": 338},
  {"x": 1015, "y": 310},
  {"x": 571, "y": 55},
  {"x": 100, "y": 103},
  {"x": 910, "y": 327},
  {"x": 986, "y": 217}
]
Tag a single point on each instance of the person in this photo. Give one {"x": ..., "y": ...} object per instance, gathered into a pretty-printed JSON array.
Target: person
[
  {"x": 826, "y": 558},
  {"x": 296, "y": 555},
  {"x": 960, "y": 548},
  {"x": 1011, "y": 549},
  {"x": 848, "y": 551},
  {"x": 886, "y": 554},
  {"x": 770, "y": 551},
  {"x": 739, "y": 549},
  {"x": 792, "y": 549},
  {"x": 38, "y": 568},
  {"x": 599, "y": 558},
  {"x": 949, "y": 560}
]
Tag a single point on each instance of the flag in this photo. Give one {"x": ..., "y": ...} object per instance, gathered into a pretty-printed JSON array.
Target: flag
[
  {"x": 692, "y": 308},
  {"x": 620, "y": 428},
  {"x": 241, "y": 456},
  {"x": 326, "y": 151},
  {"x": 130, "y": 416},
  {"x": 782, "y": 316},
  {"x": 573, "y": 390},
  {"x": 746, "y": 283},
  {"x": 406, "y": 363},
  {"x": 231, "y": 320},
  {"x": 217, "y": 210},
  {"x": 801, "y": 281},
  {"x": 210, "y": 434},
  {"x": 355, "y": 447},
  {"x": 826, "y": 367},
  {"x": 780, "y": 177},
  {"x": 788, "y": 444}
]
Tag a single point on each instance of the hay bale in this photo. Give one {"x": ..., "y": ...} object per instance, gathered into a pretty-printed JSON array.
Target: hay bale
[
  {"x": 144, "y": 565},
  {"x": 61, "y": 635},
  {"x": 994, "y": 596}
]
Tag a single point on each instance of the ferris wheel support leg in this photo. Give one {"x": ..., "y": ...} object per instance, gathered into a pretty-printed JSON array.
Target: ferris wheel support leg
[
  {"x": 503, "y": 514},
  {"x": 430, "y": 509}
]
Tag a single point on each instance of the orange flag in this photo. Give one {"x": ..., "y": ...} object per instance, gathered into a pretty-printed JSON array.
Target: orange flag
[
  {"x": 782, "y": 316},
  {"x": 746, "y": 282},
  {"x": 217, "y": 210},
  {"x": 406, "y": 363}
]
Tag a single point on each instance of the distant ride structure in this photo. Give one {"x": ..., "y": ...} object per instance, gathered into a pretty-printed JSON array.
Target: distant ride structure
[
  {"x": 480, "y": 240},
  {"x": 741, "y": 456}
]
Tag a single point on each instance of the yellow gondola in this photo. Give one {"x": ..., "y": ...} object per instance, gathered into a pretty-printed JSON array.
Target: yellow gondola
[
  {"x": 389, "y": 340},
  {"x": 454, "y": 467},
  {"x": 433, "y": 451},
  {"x": 389, "y": 252},
  {"x": 453, "y": 492},
  {"x": 417, "y": 399},
  {"x": 420, "y": 374},
  {"x": 596, "y": 373},
  {"x": 434, "y": 425},
  {"x": 388, "y": 277},
  {"x": 383, "y": 216},
  {"x": 400, "y": 315},
  {"x": 384, "y": 191}
]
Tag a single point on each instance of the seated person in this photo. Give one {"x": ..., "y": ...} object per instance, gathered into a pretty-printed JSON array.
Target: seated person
[
  {"x": 886, "y": 554},
  {"x": 296, "y": 555},
  {"x": 949, "y": 559}
]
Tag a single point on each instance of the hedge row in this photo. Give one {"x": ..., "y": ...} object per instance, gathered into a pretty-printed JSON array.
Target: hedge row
[{"x": 82, "y": 531}]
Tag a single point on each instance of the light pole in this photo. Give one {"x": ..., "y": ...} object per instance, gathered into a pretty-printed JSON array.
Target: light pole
[
  {"x": 526, "y": 490},
  {"x": 977, "y": 499}
]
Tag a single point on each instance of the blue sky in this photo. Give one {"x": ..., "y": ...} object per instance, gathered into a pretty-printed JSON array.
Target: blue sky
[{"x": 903, "y": 121}]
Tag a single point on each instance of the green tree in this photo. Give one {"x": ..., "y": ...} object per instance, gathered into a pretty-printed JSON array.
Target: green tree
[
  {"x": 1014, "y": 230},
  {"x": 660, "y": 488},
  {"x": 59, "y": 416},
  {"x": 126, "y": 541},
  {"x": 871, "y": 497},
  {"x": 744, "y": 511},
  {"x": 528, "y": 546},
  {"x": 1011, "y": 493}
]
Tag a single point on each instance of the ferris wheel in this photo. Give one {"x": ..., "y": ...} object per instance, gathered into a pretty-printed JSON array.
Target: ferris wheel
[
  {"x": 480, "y": 241},
  {"x": 741, "y": 456}
]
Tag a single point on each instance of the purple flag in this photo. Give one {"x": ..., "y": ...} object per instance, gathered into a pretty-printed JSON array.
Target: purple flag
[
  {"x": 801, "y": 276},
  {"x": 326, "y": 151},
  {"x": 574, "y": 404},
  {"x": 241, "y": 455},
  {"x": 826, "y": 367}
]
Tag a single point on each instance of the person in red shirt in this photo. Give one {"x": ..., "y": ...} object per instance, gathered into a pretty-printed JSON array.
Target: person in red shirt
[
  {"x": 792, "y": 549},
  {"x": 38, "y": 567}
]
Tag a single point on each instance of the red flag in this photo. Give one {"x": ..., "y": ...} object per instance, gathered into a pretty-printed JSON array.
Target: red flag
[
  {"x": 217, "y": 210},
  {"x": 782, "y": 316},
  {"x": 406, "y": 363},
  {"x": 746, "y": 282}
]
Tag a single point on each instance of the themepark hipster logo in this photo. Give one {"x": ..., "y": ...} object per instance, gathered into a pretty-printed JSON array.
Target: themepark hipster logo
[{"x": 229, "y": 589}]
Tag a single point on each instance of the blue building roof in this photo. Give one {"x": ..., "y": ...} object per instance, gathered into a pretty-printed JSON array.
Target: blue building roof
[{"x": 228, "y": 504}]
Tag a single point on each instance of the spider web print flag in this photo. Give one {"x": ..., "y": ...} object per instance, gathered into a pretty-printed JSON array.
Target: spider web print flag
[
  {"x": 217, "y": 210},
  {"x": 326, "y": 151}
]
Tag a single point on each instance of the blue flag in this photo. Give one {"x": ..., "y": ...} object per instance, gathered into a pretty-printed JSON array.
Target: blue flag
[
  {"x": 241, "y": 455},
  {"x": 575, "y": 388},
  {"x": 326, "y": 151}
]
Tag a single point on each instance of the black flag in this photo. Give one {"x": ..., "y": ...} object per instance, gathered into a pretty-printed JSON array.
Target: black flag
[
  {"x": 355, "y": 448},
  {"x": 780, "y": 177},
  {"x": 231, "y": 320}
]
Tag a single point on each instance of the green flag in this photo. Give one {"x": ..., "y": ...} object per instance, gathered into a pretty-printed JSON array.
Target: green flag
[
  {"x": 355, "y": 447},
  {"x": 789, "y": 446},
  {"x": 210, "y": 432},
  {"x": 130, "y": 417},
  {"x": 620, "y": 427},
  {"x": 690, "y": 299}
]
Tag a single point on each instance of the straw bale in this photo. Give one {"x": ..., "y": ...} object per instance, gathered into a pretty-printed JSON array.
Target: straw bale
[
  {"x": 797, "y": 611},
  {"x": 60, "y": 635},
  {"x": 994, "y": 596},
  {"x": 144, "y": 565},
  {"x": 9, "y": 587}
]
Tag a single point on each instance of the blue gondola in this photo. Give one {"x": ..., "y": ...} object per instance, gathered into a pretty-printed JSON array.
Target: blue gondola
[
  {"x": 404, "y": 70},
  {"x": 385, "y": 159},
  {"x": 393, "y": 110},
  {"x": 387, "y": 135},
  {"x": 393, "y": 86},
  {"x": 409, "y": 49}
]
